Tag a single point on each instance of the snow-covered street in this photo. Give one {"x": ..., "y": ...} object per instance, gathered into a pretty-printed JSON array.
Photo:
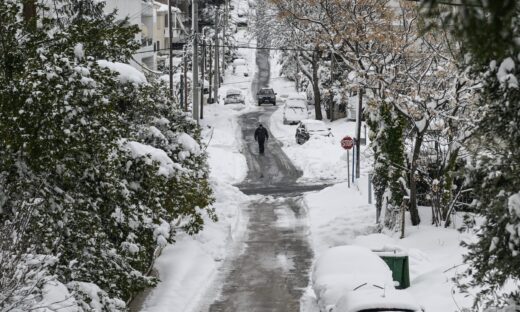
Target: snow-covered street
[{"x": 259, "y": 256}]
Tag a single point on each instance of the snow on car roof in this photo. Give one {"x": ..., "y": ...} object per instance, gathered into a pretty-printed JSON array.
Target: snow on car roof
[
  {"x": 239, "y": 61},
  {"x": 233, "y": 91},
  {"x": 314, "y": 125},
  {"x": 352, "y": 260},
  {"x": 343, "y": 268},
  {"x": 296, "y": 103},
  {"x": 369, "y": 297},
  {"x": 297, "y": 97}
]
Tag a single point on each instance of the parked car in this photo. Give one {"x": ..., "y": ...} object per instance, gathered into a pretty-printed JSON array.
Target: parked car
[
  {"x": 242, "y": 21},
  {"x": 266, "y": 95},
  {"x": 240, "y": 67},
  {"x": 308, "y": 128},
  {"x": 234, "y": 96},
  {"x": 354, "y": 279},
  {"x": 294, "y": 111}
]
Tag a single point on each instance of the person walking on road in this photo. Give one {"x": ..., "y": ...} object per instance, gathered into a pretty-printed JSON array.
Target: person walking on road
[{"x": 261, "y": 136}]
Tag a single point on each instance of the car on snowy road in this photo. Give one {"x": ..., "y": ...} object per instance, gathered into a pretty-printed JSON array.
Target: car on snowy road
[
  {"x": 354, "y": 279},
  {"x": 294, "y": 111},
  {"x": 309, "y": 128},
  {"x": 234, "y": 96},
  {"x": 266, "y": 95},
  {"x": 240, "y": 67}
]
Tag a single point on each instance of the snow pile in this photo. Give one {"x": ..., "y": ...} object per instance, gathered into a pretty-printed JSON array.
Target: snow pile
[
  {"x": 126, "y": 72},
  {"x": 338, "y": 214},
  {"x": 223, "y": 136}
]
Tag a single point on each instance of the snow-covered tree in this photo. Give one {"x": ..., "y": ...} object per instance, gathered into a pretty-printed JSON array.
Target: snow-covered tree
[{"x": 487, "y": 32}]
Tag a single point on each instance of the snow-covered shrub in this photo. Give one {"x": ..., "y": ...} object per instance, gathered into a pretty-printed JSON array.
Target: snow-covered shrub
[
  {"x": 101, "y": 164},
  {"x": 495, "y": 256}
]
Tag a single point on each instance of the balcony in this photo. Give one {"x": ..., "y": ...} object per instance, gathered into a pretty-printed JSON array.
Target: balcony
[{"x": 145, "y": 42}]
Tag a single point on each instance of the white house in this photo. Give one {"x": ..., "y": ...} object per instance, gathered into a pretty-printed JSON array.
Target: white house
[{"x": 143, "y": 14}]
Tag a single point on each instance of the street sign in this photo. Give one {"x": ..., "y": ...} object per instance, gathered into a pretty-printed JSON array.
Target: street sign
[{"x": 347, "y": 142}]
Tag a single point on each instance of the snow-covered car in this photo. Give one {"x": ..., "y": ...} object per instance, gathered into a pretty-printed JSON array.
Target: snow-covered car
[
  {"x": 294, "y": 111},
  {"x": 234, "y": 96},
  {"x": 354, "y": 279},
  {"x": 241, "y": 21},
  {"x": 308, "y": 128},
  {"x": 240, "y": 67}
]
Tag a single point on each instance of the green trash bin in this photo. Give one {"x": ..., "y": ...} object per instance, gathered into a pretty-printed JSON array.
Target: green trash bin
[{"x": 398, "y": 263}]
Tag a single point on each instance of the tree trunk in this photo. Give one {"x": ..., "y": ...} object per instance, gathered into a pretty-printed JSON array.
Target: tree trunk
[
  {"x": 316, "y": 87},
  {"x": 29, "y": 13},
  {"x": 414, "y": 212},
  {"x": 358, "y": 132},
  {"x": 448, "y": 176}
]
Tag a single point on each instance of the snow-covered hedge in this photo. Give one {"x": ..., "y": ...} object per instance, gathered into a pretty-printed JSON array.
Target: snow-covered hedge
[{"x": 98, "y": 167}]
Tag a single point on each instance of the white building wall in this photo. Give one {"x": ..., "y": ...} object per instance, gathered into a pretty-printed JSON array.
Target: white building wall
[{"x": 142, "y": 15}]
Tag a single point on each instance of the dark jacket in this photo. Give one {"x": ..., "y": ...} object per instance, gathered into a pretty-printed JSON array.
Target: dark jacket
[{"x": 261, "y": 134}]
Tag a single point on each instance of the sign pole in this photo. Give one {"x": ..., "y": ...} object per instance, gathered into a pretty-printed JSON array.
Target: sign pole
[
  {"x": 347, "y": 143},
  {"x": 353, "y": 163},
  {"x": 348, "y": 168}
]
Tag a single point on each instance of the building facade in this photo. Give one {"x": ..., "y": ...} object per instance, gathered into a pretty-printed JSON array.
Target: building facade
[{"x": 152, "y": 19}]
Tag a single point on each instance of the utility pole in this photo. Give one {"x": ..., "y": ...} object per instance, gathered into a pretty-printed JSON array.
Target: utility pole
[
  {"x": 358, "y": 130},
  {"x": 297, "y": 72},
  {"x": 195, "y": 60},
  {"x": 216, "y": 73},
  {"x": 331, "y": 95},
  {"x": 185, "y": 76},
  {"x": 170, "y": 30},
  {"x": 202, "y": 75},
  {"x": 210, "y": 77},
  {"x": 224, "y": 31}
]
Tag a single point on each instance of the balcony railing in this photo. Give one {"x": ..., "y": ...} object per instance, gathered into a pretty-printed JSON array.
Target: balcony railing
[{"x": 146, "y": 42}]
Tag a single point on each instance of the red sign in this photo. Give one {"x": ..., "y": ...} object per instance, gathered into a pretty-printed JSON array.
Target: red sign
[{"x": 347, "y": 142}]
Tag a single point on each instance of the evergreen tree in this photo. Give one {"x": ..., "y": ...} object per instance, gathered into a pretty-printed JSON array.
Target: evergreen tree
[
  {"x": 387, "y": 138},
  {"x": 98, "y": 170}
]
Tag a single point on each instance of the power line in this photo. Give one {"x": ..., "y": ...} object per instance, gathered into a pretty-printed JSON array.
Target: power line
[
  {"x": 243, "y": 47},
  {"x": 260, "y": 48},
  {"x": 462, "y": 4}
]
